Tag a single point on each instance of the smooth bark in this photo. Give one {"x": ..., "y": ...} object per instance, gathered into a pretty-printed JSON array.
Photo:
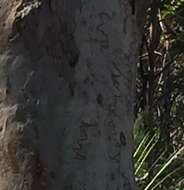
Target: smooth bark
[{"x": 67, "y": 77}]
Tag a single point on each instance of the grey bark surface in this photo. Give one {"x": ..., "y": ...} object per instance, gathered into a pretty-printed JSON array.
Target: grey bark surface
[{"x": 67, "y": 77}]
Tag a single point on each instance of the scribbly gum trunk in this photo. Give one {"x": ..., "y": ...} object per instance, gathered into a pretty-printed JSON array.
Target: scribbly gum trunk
[{"x": 67, "y": 74}]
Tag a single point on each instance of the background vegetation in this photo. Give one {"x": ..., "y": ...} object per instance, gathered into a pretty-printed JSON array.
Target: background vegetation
[{"x": 159, "y": 106}]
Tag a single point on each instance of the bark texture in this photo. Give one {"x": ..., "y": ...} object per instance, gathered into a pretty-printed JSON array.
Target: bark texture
[{"x": 67, "y": 74}]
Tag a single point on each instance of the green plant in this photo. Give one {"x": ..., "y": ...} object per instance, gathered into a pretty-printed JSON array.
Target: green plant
[{"x": 163, "y": 168}]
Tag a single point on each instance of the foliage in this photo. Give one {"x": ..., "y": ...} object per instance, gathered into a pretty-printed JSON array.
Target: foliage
[
  {"x": 165, "y": 169},
  {"x": 159, "y": 109}
]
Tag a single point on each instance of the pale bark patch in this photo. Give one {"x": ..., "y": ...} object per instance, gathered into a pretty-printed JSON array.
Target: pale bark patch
[{"x": 7, "y": 17}]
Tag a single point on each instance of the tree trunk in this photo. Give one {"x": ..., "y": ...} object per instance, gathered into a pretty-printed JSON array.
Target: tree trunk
[{"x": 67, "y": 74}]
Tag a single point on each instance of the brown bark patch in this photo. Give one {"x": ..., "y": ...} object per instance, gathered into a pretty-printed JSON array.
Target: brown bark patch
[
  {"x": 7, "y": 17},
  {"x": 21, "y": 166}
]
